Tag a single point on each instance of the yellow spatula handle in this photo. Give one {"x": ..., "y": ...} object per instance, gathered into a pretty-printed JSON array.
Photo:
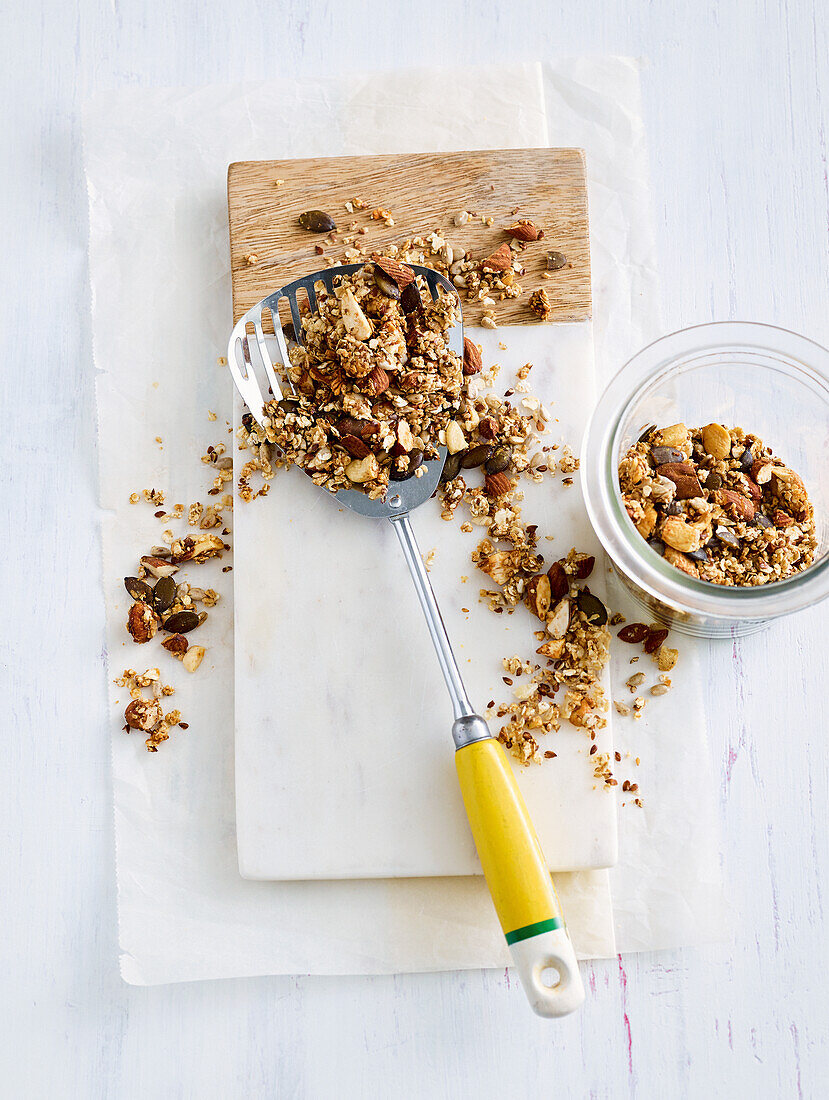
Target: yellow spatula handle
[{"x": 518, "y": 879}]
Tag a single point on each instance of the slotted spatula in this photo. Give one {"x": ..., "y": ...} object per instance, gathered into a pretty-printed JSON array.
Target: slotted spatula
[{"x": 513, "y": 863}]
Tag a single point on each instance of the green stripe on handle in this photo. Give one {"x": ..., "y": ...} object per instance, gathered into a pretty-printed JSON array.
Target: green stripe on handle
[{"x": 536, "y": 929}]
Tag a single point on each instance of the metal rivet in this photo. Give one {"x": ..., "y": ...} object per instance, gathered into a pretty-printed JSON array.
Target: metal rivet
[{"x": 396, "y": 501}]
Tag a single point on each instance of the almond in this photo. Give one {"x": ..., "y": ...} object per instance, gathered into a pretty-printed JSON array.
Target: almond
[
  {"x": 754, "y": 490},
  {"x": 686, "y": 487},
  {"x": 676, "y": 533},
  {"x": 455, "y": 439},
  {"x": 676, "y": 469},
  {"x": 487, "y": 428},
  {"x": 363, "y": 469},
  {"x": 500, "y": 260},
  {"x": 647, "y": 523},
  {"x": 678, "y": 559},
  {"x": 142, "y": 622},
  {"x": 158, "y": 567},
  {"x": 377, "y": 382},
  {"x": 524, "y": 230},
  {"x": 193, "y": 657},
  {"x": 496, "y": 485},
  {"x": 559, "y": 620},
  {"x": 537, "y": 595},
  {"x": 553, "y": 650},
  {"x": 400, "y": 273},
  {"x": 355, "y": 321},
  {"x": 472, "y": 361},
  {"x": 143, "y": 714},
  {"x": 737, "y": 505},
  {"x": 175, "y": 644},
  {"x": 559, "y": 582},
  {"x": 716, "y": 440},
  {"x": 355, "y": 447},
  {"x": 761, "y": 470}
]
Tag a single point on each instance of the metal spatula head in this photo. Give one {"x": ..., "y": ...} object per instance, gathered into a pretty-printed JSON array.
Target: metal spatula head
[{"x": 261, "y": 353}]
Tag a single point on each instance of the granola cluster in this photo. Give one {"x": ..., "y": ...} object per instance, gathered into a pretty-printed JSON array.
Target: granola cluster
[
  {"x": 718, "y": 504},
  {"x": 146, "y": 713},
  {"x": 375, "y": 384}
]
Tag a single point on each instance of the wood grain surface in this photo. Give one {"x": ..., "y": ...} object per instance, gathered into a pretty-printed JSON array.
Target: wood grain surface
[{"x": 422, "y": 192}]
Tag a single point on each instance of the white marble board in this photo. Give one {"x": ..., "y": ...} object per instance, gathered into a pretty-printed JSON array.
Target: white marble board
[{"x": 344, "y": 762}]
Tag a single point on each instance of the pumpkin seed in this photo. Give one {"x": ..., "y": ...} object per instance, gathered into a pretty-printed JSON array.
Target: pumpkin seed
[
  {"x": 164, "y": 593},
  {"x": 555, "y": 261},
  {"x": 317, "y": 221},
  {"x": 385, "y": 284},
  {"x": 673, "y": 509},
  {"x": 415, "y": 460},
  {"x": 762, "y": 521},
  {"x": 181, "y": 623},
  {"x": 452, "y": 467},
  {"x": 499, "y": 460},
  {"x": 658, "y": 545},
  {"x": 713, "y": 481},
  {"x": 591, "y": 607},
  {"x": 139, "y": 590},
  {"x": 661, "y": 455},
  {"x": 747, "y": 460},
  {"x": 728, "y": 537},
  {"x": 643, "y": 438},
  {"x": 476, "y": 457},
  {"x": 698, "y": 555}
]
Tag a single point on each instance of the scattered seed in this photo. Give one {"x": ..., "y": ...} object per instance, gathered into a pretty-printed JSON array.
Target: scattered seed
[
  {"x": 182, "y": 622},
  {"x": 634, "y": 633},
  {"x": 591, "y": 607},
  {"x": 477, "y": 456},
  {"x": 556, "y": 261},
  {"x": 139, "y": 590},
  {"x": 317, "y": 221}
]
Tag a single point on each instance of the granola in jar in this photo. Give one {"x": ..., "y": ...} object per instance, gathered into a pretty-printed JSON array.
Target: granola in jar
[{"x": 718, "y": 504}]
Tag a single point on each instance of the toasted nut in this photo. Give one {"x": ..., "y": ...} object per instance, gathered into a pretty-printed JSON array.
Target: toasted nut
[
  {"x": 753, "y": 490},
  {"x": 500, "y": 260},
  {"x": 355, "y": 321},
  {"x": 655, "y": 639},
  {"x": 559, "y": 582},
  {"x": 377, "y": 382},
  {"x": 716, "y": 440},
  {"x": 553, "y": 650},
  {"x": 537, "y": 595},
  {"x": 676, "y": 533},
  {"x": 761, "y": 470},
  {"x": 675, "y": 435},
  {"x": 455, "y": 439},
  {"x": 175, "y": 644},
  {"x": 681, "y": 562},
  {"x": 487, "y": 428},
  {"x": 647, "y": 523},
  {"x": 193, "y": 657},
  {"x": 524, "y": 230},
  {"x": 584, "y": 567},
  {"x": 634, "y": 632},
  {"x": 781, "y": 518},
  {"x": 558, "y": 622},
  {"x": 737, "y": 505},
  {"x": 666, "y": 658},
  {"x": 355, "y": 446},
  {"x": 142, "y": 622},
  {"x": 401, "y": 274},
  {"x": 362, "y": 469},
  {"x": 158, "y": 567},
  {"x": 143, "y": 714},
  {"x": 472, "y": 361},
  {"x": 496, "y": 485}
]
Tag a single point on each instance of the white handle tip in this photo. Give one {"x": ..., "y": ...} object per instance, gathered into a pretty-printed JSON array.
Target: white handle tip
[{"x": 549, "y": 973}]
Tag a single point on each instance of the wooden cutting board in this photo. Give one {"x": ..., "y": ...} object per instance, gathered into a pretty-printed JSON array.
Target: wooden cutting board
[{"x": 422, "y": 192}]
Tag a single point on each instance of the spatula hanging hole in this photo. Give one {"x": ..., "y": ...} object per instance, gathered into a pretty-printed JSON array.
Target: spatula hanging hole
[{"x": 550, "y": 977}]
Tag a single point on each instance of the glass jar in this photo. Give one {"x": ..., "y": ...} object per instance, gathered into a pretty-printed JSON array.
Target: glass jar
[{"x": 770, "y": 382}]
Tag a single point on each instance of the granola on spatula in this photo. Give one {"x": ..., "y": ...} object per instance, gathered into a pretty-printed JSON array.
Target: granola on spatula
[{"x": 376, "y": 383}]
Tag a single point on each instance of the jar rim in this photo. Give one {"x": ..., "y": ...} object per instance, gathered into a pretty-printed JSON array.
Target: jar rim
[{"x": 601, "y": 446}]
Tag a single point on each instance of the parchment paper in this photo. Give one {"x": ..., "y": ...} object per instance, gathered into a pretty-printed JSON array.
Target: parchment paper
[{"x": 158, "y": 256}]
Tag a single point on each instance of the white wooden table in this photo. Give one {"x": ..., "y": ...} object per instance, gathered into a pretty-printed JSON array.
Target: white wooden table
[{"x": 737, "y": 108}]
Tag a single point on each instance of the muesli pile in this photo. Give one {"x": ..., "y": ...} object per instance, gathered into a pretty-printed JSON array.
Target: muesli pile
[
  {"x": 375, "y": 383},
  {"x": 718, "y": 504}
]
